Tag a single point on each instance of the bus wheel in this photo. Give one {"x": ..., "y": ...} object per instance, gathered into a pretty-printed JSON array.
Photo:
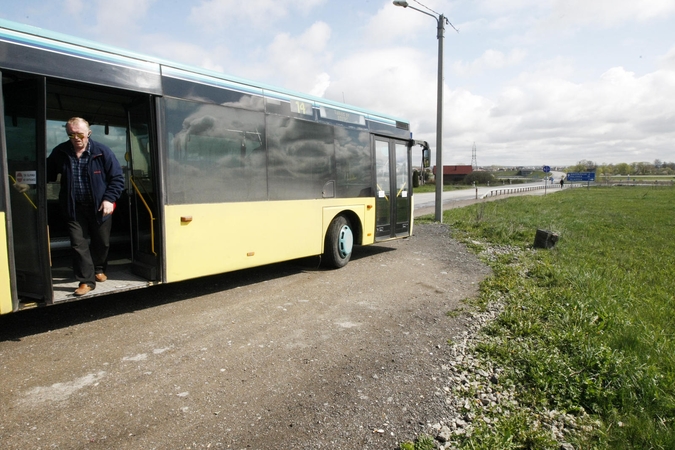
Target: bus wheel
[{"x": 339, "y": 243}]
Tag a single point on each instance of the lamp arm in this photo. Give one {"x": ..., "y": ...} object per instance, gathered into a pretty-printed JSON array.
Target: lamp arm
[{"x": 423, "y": 12}]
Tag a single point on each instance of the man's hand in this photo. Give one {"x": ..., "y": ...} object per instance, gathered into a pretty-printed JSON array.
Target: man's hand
[
  {"x": 21, "y": 187},
  {"x": 107, "y": 208}
]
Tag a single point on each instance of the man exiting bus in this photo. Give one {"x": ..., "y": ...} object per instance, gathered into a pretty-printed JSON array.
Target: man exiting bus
[{"x": 91, "y": 182}]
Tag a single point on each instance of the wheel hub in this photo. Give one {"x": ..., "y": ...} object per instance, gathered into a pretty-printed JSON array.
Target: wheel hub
[{"x": 345, "y": 241}]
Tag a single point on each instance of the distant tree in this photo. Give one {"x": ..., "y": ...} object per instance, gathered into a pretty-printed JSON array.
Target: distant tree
[
  {"x": 642, "y": 168},
  {"x": 605, "y": 169},
  {"x": 480, "y": 178},
  {"x": 622, "y": 169},
  {"x": 657, "y": 163},
  {"x": 587, "y": 165},
  {"x": 584, "y": 165}
]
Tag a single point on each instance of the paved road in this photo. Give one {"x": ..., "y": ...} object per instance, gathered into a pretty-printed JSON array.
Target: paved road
[{"x": 424, "y": 202}]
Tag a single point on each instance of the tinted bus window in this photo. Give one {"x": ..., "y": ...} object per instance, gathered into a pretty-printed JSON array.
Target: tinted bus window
[
  {"x": 353, "y": 163},
  {"x": 211, "y": 94},
  {"x": 216, "y": 154},
  {"x": 301, "y": 158}
]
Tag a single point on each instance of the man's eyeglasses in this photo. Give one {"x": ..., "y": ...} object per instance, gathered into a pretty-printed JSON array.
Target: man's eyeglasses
[{"x": 77, "y": 135}]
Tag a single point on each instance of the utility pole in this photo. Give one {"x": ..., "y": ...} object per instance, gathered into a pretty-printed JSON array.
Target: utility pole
[{"x": 474, "y": 163}]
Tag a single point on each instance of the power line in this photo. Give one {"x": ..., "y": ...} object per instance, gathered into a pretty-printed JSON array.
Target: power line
[
  {"x": 438, "y": 14},
  {"x": 425, "y": 6}
]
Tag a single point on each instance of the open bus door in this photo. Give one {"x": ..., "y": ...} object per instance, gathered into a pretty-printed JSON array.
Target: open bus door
[
  {"x": 23, "y": 154},
  {"x": 393, "y": 191},
  {"x": 121, "y": 121},
  {"x": 142, "y": 189}
]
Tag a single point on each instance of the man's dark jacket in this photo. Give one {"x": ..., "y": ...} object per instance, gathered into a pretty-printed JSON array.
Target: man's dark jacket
[{"x": 105, "y": 176}]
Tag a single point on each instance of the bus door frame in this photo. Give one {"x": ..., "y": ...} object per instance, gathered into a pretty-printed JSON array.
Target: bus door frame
[
  {"x": 387, "y": 224},
  {"x": 40, "y": 245},
  {"x": 146, "y": 264}
]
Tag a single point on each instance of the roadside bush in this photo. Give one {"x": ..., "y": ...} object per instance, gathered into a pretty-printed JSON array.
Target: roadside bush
[{"x": 480, "y": 178}]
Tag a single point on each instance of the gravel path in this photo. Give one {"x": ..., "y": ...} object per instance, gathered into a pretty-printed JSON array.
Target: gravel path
[{"x": 287, "y": 357}]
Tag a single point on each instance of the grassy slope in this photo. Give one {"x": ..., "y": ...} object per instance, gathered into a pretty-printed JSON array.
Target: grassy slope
[{"x": 589, "y": 324}]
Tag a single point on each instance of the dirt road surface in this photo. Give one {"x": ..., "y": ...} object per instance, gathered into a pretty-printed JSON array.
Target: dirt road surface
[{"x": 288, "y": 356}]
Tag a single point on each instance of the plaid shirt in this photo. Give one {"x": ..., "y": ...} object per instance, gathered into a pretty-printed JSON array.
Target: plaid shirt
[{"x": 81, "y": 183}]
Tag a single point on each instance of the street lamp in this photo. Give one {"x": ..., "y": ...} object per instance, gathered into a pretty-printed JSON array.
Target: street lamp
[{"x": 440, "y": 19}]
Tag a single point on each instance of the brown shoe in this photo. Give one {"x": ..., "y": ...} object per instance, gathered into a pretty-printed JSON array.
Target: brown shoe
[
  {"x": 83, "y": 289},
  {"x": 101, "y": 277}
]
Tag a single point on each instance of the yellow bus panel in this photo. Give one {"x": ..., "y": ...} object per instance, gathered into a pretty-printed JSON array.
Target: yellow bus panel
[
  {"x": 206, "y": 239},
  {"x": 5, "y": 287}
]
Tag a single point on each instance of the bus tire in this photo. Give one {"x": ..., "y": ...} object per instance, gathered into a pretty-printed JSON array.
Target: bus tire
[{"x": 339, "y": 243}]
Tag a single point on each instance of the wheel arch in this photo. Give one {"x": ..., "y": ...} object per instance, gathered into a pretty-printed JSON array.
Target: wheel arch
[{"x": 353, "y": 214}]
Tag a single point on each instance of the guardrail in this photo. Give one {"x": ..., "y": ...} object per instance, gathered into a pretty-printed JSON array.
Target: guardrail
[{"x": 518, "y": 190}]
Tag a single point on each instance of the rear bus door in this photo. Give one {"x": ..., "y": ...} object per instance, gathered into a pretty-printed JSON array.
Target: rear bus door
[{"x": 393, "y": 190}]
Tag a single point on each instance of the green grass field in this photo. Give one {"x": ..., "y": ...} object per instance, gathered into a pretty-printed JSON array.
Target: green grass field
[{"x": 589, "y": 325}]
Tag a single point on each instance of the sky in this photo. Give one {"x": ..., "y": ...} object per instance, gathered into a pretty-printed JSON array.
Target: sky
[{"x": 529, "y": 82}]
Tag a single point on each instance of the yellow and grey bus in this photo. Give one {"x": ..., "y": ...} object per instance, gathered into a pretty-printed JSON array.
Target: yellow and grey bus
[{"x": 221, "y": 173}]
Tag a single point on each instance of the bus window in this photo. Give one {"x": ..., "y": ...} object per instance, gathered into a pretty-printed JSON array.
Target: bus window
[
  {"x": 216, "y": 153},
  {"x": 301, "y": 158},
  {"x": 353, "y": 163}
]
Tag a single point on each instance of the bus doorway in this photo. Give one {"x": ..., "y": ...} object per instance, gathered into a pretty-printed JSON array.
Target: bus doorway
[
  {"x": 393, "y": 191},
  {"x": 35, "y": 112},
  {"x": 123, "y": 122}
]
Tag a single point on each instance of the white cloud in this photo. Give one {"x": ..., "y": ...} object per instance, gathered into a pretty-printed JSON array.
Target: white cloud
[
  {"x": 610, "y": 12},
  {"x": 74, "y": 6},
  {"x": 582, "y": 12},
  {"x": 321, "y": 84},
  {"x": 210, "y": 58},
  {"x": 489, "y": 60},
  {"x": 119, "y": 21},
  {"x": 300, "y": 61},
  {"x": 573, "y": 16},
  {"x": 391, "y": 24},
  {"x": 614, "y": 117},
  {"x": 493, "y": 24},
  {"x": 617, "y": 117},
  {"x": 389, "y": 80},
  {"x": 501, "y": 7},
  {"x": 667, "y": 61},
  {"x": 215, "y": 14},
  {"x": 539, "y": 117}
]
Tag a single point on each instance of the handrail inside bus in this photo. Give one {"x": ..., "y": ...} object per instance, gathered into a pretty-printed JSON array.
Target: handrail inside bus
[
  {"x": 152, "y": 217},
  {"x": 23, "y": 192},
  {"x": 398, "y": 194}
]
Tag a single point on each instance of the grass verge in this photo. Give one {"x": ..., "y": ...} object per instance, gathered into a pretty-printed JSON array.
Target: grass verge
[{"x": 588, "y": 326}]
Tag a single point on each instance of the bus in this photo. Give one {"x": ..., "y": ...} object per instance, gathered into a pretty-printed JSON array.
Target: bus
[{"x": 221, "y": 173}]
